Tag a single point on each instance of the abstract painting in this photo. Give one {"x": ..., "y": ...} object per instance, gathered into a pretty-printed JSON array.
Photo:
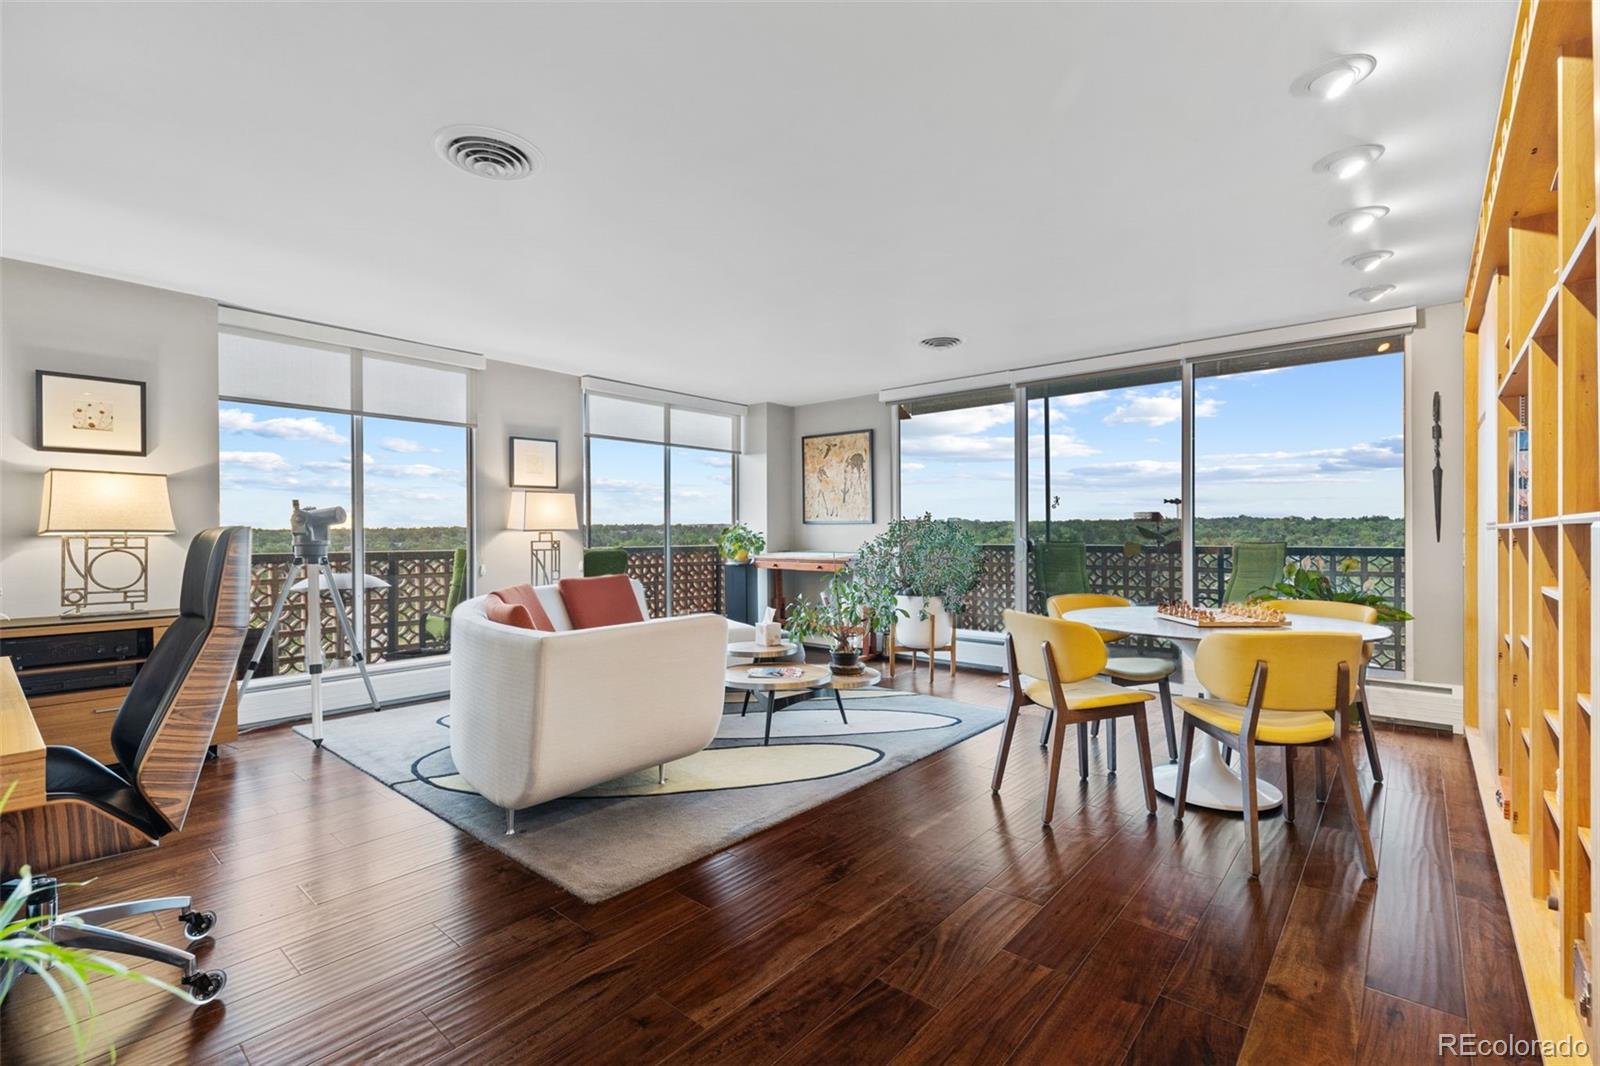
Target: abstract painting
[
  {"x": 836, "y": 478},
  {"x": 80, "y": 413}
]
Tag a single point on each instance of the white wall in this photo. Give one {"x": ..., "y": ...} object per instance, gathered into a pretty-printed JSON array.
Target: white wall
[
  {"x": 1435, "y": 568},
  {"x": 838, "y": 416},
  {"x": 59, "y": 320},
  {"x": 520, "y": 401}
]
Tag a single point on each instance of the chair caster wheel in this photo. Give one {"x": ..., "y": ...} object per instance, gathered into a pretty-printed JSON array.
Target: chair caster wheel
[
  {"x": 197, "y": 924},
  {"x": 206, "y": 985}
]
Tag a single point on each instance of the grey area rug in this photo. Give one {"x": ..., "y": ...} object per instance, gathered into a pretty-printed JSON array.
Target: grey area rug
[{"x": 599, "y": 846}]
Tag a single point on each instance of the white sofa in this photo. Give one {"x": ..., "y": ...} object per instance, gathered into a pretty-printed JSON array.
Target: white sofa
[{"x": 537, "y": 715}]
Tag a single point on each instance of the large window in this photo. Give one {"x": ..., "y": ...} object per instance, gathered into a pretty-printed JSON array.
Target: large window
[
  {"x": 387, "y": 439},
  {"x": 661, "y": 484}
]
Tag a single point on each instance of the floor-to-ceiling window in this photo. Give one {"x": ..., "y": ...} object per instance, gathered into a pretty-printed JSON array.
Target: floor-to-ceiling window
[
  {"x": 957, "y": 461},
  {"x": 661, "y": 484},
  {"x": 387, "y": 439}
]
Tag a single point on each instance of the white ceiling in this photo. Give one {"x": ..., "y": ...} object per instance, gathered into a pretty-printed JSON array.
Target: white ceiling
[{"x": 757, "y": 202}]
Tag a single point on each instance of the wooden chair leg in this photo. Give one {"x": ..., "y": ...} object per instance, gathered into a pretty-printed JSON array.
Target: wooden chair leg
[
  {"x": 1252, "y": 818},
  {"x": 1358, "y": 813},
  {"x": 1288, "y": 783},
  {"x": 1164, "y": 686},
  {"x": 1055, "y": 767},
  {"x": 1185, "y": 749},
  {"x": 1141, "y": 736},
  {"x": 952, "y": 649},
  {"x": 1006, "y": 732},
  {"x": 1370, "y": 738},
  {"x": 1322, "y": 778},
  {"x": 1083, "y": 749}
]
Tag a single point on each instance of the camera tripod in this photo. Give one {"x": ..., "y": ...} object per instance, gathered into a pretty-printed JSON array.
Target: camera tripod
[{"x": 315, "y": 573}]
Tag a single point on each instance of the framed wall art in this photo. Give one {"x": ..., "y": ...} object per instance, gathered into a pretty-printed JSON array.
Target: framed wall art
[
  {"x": 534, "y": 463},
  {"x": 82, "y": 413},
  {"x": 836, "y": 478}
]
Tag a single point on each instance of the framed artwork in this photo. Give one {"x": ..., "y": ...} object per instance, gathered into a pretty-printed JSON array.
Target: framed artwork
[
  {"x": 533, "y": 463},
  {"x": 81, "y": 413},
  {"x": 836, "y": 478}
]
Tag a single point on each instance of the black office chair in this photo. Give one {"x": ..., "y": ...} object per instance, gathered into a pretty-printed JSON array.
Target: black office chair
[{"x": 160, "y": 736}]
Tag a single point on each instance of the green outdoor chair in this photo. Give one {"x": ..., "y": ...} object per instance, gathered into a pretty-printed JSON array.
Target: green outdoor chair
[
  {"x": 598, "y": 562},
  {"x": 436, "y": 627},
  {"x": 1059, "y": 567},
  {"x": 1255, "y": 567}
]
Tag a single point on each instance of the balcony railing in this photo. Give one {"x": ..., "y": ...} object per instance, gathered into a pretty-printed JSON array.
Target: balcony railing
[
  {"x": 418, "y": 586},
  {"x": 696, "y": 578}
]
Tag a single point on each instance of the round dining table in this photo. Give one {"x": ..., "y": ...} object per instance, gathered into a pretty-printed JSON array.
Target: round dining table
[{"x": 1212, "y": 782}]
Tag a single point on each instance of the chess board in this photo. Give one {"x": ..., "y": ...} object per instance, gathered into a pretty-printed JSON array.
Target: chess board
[{"x": 1222, "y": 617}]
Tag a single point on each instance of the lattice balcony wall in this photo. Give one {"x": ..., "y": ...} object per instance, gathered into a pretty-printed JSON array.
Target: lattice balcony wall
[{"x": 697, "y": 579}]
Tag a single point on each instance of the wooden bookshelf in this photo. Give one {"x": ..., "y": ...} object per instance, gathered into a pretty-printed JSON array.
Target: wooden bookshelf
[{"x": 1530, "y": 363}]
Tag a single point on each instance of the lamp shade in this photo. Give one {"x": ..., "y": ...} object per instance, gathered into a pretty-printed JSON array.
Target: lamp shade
[
  {"x": 76, "y": 502},
  {"x": 544, "y": 510}
]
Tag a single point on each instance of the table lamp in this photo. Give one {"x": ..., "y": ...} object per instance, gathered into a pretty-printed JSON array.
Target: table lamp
[
  {"x": 544, "y": 513},
  {"x": 105, "y": 521}
]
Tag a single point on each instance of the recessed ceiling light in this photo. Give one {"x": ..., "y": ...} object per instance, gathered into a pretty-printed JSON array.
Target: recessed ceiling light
[
  {"x": 1359, "y": 219},
  {"x": 1369, "y": 260},
  {"x": 1373, "y": 293},
  {"x": 487, "y": 152},
  {"x": 1348, "y": 162},
  {"x": 1333, "y": 79},
  {"x": 1385, "y": 346},
  {"x": 940, "y": 342}
]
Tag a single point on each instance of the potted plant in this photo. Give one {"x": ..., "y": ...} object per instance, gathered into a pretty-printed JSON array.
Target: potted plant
[
  {"x": 738, "y": 542},
  {"x": 851, "y": 603},
  {"x": 931, "y": 565},
  {"x": 1309, "y": 583}
]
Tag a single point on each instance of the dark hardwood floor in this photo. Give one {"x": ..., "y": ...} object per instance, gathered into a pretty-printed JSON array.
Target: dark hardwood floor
[{"x": 918, "y": 919}]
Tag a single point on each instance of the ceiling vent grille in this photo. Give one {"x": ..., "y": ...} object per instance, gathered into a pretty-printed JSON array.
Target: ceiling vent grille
[
  {"x": 940, "y": 342},
  {"x": 487, "y": 152}
]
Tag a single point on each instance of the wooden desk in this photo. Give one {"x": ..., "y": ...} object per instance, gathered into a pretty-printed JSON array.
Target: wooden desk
[
  {"x": 21, "y": 746},
  {"x": 804, "y": 562}
]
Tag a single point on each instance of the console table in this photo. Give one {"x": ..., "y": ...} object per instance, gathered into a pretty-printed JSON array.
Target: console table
[{"x": 805, "y": 562}]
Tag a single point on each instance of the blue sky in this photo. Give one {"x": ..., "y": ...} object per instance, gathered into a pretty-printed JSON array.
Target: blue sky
[
  {"x": 415, "y": 471},
  {"x": 1319, "y": 440},
  {"x": 628, "y": 482}
]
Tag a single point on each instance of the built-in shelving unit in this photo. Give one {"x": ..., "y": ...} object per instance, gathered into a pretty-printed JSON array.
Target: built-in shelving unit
[{"x": 1531, "y": 366}]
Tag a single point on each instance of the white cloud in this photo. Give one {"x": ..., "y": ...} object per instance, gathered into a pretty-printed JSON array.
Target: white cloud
[
  {"x": 1159, "y": 410},
  {"x": 408, "y": 471},
  {"x": 967, "y": 420},
  {"x": 404, "y": 446},
  {"x": 235, "y": 420},
  {"x": 255, "y": 460}
]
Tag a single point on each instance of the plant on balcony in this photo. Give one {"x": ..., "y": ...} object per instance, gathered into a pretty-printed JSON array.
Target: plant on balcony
[
  {"x": 927, "y": 559},
  {"x": 851, "y": 602},
  {"x": 738, "y": 542},
  {"x": 1310, "y": 583}
]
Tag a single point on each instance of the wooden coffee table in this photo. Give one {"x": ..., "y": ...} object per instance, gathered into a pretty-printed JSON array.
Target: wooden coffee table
[
  {"x": 810, "y": 680},
  {"x": 865, "y": 679},
  {"x": 763, "y": 652}
]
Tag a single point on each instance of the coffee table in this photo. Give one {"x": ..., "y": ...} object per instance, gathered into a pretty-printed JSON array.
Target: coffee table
[
  {"x": 811, "y": 679},
  {"x": 762, "y": 652},
  {"x": 865, "y": 679}
]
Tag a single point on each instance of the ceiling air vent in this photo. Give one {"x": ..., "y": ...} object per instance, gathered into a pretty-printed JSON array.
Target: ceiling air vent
[
  {"x": 940, "y": 342},
  {"x": 487, "y": 152}
]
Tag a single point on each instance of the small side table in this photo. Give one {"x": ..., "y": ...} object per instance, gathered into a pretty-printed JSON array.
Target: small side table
[
  {"x": 762, "y": 653},
  {"x": 865, "y": 679},
  {"x": 811, "y": 679}
]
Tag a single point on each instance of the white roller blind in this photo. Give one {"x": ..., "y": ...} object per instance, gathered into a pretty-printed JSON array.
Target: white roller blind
[
  {"x": 251, "y": 366},
  {"x": 701, "y": 429},
  {"x": 400, "y": 388},
  {"x": 610, "y": 416}
]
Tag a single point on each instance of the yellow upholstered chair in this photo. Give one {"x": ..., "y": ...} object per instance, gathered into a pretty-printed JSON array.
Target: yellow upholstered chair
[
  {"x": 1061, "y": 659},
  {"x": 1349, "y": 612},
  {"x": 1125, "y": 670},
  {"x": 1280, "y": 689}
]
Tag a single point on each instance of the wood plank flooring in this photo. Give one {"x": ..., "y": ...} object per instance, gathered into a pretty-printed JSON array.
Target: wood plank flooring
[{"x": 919, "y": 919}]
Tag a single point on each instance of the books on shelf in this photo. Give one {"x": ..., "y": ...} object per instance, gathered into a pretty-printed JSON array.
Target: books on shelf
[{"x": 1518, "y": 507}]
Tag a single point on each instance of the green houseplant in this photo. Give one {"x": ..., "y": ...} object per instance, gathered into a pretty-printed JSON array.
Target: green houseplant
[
  {"x": 931, "y": 565},
  {"x": 1309, "y": 583},
  {"x": 738, "y": 542},
  {"x": 850, "y": 603}
]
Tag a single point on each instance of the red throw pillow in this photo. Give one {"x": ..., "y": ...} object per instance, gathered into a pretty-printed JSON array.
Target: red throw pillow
[
  {"x": 523, "y": 596},
  {"x": 600, "y": 601},
  {"x": 508, "y": 614}
]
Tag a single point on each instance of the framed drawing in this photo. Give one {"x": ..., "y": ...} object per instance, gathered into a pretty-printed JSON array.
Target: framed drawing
[
  {"x": 836, "y": 478},
  {"x": 533, "y": 463},
  {"x": 81, "y": 413}
]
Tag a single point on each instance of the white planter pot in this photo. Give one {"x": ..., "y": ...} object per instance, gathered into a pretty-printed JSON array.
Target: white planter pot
[{"x": 912, "y": 630}]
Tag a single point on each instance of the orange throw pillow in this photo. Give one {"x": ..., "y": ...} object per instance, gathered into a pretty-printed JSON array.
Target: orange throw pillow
[
  {"x": 508, "y": 614},
  {"x": 523, "y": 596},
  {"x": 600, "y": 601}
]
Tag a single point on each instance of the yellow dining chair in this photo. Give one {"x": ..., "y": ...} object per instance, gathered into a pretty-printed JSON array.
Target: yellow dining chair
[
  {"x": 1124, "y": 670},
  {"x": 1061, "y": 659},
  {"x": 1279, "y": 689},
  {"x": 1349, "y": 612}
]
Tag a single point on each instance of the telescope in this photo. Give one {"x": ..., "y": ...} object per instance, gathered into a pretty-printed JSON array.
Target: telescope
[{"x": 309, "y": 527}]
